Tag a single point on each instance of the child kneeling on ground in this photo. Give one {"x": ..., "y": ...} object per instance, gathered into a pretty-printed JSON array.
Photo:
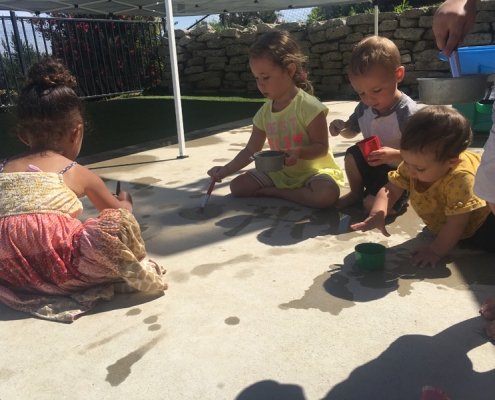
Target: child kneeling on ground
[{"x": 439, "y": 174}]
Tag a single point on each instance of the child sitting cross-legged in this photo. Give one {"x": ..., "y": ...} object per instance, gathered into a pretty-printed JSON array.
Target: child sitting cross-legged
[{"x": 439, "y": 173}]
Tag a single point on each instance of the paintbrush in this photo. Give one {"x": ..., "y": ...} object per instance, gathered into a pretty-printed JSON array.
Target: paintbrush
[
  {"x": 117, "y": 190},
  {"x": 205, "y": 199}
]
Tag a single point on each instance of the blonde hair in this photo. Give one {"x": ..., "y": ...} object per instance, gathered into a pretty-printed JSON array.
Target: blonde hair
[
  {"x": 374, "y": 51},
  {"x": 279, "y": 47}
]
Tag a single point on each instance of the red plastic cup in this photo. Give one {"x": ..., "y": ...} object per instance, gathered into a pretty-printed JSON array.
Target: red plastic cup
[{"x": 368, "y": 145}]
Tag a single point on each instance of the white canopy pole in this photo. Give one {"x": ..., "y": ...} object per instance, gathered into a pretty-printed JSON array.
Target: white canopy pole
[
  {"x": 175, "y": 79},
  {"x": 376, "y": 18}
]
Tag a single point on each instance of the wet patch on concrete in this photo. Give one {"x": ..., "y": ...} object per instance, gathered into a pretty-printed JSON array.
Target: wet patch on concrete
[
  {"x": 222, "y": 160},
  {"x": 232, "y": 321},
  {"x": 151, "y": 320},
  {"x": 172, "y": 182},
  {"x": 196, "y": 196},
  {"x": 146, "y": 181},
  {"x": 346, "y": 285},
  {"x": 143, "y": 227},
  {"x": 133, "y": 311},
  {"x": 168, "y": 206},
  {"x": 145, "y": 216},
  {"x": 154, "y": 327},
  {"x": 178, "y": 276},
  {"x": 245, "y": 273},
  {"x": 5, "y": 374},
  {"x": 210, "y": 211},
  {"x": 318, "y": 295},
  {"x": 121, "y": 369},
  {"x": 207, "y": 269},
  {"x": 103, "y": 341}
]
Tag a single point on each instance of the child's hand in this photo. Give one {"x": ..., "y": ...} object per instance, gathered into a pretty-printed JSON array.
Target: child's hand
[
  {"x": 384, "y": 155},
  {"x": 124, "y": 196},
  {"x": 336, "y": 126},
  {"x": 376, "y": 221},
  {"x": 217, "y": 173},
  {"x": 294, "y": 153},
  {"x": 424, "y": 256}
]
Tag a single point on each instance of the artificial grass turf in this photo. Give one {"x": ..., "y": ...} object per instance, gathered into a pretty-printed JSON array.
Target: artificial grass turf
[{"x": 129, "y": 121}]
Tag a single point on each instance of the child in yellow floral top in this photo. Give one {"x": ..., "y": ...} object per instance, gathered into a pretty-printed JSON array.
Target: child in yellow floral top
[{"x": 439, "y": 173}]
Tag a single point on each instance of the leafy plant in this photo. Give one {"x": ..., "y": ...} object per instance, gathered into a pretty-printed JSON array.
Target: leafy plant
[
  {"x": 315, "y": 15},
  {"x": 400, "y": 8}
]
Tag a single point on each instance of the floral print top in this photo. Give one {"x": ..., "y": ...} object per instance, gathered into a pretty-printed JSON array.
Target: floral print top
[{"x": 450, "y": 195}]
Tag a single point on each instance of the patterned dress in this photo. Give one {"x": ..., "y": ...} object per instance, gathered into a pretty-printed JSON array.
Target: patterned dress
[{"x": 56, "y": 267}]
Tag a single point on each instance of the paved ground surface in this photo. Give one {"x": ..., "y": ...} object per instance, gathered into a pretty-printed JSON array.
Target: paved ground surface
[{"x": 265, "y": 302}]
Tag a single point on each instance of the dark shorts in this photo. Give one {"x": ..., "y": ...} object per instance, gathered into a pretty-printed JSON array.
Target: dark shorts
[
  {"x": 484, "y": 237},
  {"x": 374, "y": 178}
]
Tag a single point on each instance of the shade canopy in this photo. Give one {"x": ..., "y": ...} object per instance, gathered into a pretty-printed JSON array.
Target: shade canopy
[
  {"x": 180, "y": 8},
  {"x": 167, "y": 8}
]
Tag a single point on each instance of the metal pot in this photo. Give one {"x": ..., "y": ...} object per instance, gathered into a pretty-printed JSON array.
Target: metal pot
[
  {"x": 269, "y": 160},
  {"x": 464, "y": 89}
]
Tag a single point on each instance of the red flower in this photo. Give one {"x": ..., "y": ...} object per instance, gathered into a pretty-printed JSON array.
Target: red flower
[{"x": 131, "y": 52}]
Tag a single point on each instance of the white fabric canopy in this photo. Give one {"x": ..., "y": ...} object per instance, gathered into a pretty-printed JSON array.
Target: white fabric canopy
[{"x": 172, "y": 7}]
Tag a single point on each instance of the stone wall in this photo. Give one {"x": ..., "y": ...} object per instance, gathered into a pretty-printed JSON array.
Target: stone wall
[{"x": 216, "y": 62}]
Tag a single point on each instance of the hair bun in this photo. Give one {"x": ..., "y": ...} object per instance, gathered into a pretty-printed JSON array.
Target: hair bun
[{"x": 49, "y": 73}]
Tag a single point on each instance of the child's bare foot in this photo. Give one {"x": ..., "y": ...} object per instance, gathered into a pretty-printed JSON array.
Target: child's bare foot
[
  {"x": 159, "y": 269},
  {"x": 488, "y": 308},
  {"x": 348, "y": 199}
]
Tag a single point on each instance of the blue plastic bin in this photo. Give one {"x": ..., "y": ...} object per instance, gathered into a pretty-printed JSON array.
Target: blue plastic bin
[{"x": 475, "y": 59}]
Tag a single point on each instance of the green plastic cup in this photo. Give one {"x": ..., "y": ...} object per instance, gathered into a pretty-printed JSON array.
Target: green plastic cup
[{"x": 370, "y": 256}]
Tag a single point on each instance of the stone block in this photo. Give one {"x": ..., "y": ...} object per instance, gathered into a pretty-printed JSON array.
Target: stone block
[
  {"x": 325, "y": 47},
  {"x": 236, "y": 68},
  {"x": 239, "y": 60},
  {"x": 209, "y": 83},
  {"x": 204, "y": 76},
  {"x": 194, "y": 70},
  {"x": 338, "y": 33},
  {"x": 409, "y": 23},
  {"x": 331, "y": 56},
  {"x": 412, "y": 34},
  {"x": 236, "y": 49},
  {"x": 426, "y": 21},
  {"x": 413, "y": 13},
  {"x": 353, "y": 37},
  {"x": 388, "y": 25},
  {"x": 330, "y": 80},
  {"x": 195, "y": 61},
  {"x": 477, "y": 39},
  {"x": 215, "y": 67}
]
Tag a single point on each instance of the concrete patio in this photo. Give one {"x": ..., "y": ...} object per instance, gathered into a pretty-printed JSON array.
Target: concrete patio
[{"x": 265, "y": 301}]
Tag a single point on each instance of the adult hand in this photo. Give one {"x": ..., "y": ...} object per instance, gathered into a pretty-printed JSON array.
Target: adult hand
[
  {"x": 217, "y": 173},
  {"x": 336, "y": 126},
  {"x": 384, "y": 155},
  {"x": 452, "y": 22},
  {"x": 375, "y": 221},
  {"x": 423, "y": 256},
  {"x": 294, "y": 154}
]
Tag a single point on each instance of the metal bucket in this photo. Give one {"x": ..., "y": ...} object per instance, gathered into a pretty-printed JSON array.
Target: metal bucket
[
  {"x": 269, "y": 160},
  {"x": 443, "y": 91}
]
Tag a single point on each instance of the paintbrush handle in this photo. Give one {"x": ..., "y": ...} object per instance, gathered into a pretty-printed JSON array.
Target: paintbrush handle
[
  {"x": 117, "y": 190},
  {"x": 210, "y": 189}
]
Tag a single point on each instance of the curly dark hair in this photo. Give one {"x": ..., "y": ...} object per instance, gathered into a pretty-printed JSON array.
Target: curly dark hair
[
  {"x": 48, "y": 107},
  {"x": 283, "y": 50},
  {"x": 440, "y": 130}
]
